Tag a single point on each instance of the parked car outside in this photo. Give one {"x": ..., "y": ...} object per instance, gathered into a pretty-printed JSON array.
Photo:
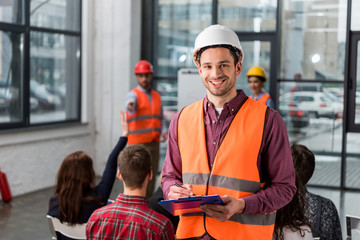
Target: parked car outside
[
  {"x": 4, "y": 103},
  {"x": 338, "y": 92},
  {"x": 294, "y": 118},
  {"x": 34, "y": 104},
  {"x": 316, "y": 104},
  {"x": 46, "y": 100}
]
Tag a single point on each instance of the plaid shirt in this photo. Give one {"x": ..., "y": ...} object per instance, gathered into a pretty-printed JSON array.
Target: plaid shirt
[{"x": 129, "y": 217}]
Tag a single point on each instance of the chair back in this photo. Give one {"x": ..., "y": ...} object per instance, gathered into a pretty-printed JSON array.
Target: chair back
[
  {"x": 352, "y": 223},
  {"x": 77, "y": 231}
]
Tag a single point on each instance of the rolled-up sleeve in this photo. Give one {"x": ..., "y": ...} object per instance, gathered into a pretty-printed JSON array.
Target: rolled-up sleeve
[
  {"x": 275, "y": 167},
  {"x": 130, "y": 97}
]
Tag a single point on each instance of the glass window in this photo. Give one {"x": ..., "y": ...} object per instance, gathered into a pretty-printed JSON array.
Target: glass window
[
  {"x": 46, "y": 89},
  {"x": 353, "y": 160},
  {"x": 355, "y": 20},
  {"x": 251, "y": 16},
  {"x": 12, "y": 11},
  {"x": 11, "y": 75},
  {"x": 54, "y": 74},
  {"x": 311, "y": 118},
  {"x": 178, "y": 25},
  {"x": 327, "y": 169},
  {"x": 56, "y": 14},
  {"x": 313, "y": 40},
  {"x": 357, "y": 91},
  {"x": 316, "y": 122},
  {"x": 256, "y": 53}
]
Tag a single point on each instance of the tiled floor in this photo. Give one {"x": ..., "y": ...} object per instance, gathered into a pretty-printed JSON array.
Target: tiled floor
[{"x": 24, "y": 217}]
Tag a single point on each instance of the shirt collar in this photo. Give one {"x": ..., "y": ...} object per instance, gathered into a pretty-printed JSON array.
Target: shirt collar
[
  {"x": 130, "y": 199},
  {"x": 233, "y": 105}
]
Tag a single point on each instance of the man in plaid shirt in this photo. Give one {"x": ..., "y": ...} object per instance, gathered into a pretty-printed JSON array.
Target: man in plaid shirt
[{"x": 129, "y": 216}]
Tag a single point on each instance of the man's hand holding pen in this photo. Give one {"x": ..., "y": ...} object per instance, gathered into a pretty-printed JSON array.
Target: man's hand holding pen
[{"x": 180, "y": 191}]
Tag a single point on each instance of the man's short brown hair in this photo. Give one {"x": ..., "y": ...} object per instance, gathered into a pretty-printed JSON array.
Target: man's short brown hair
[
  {"x": 235, "y": 53},
  {"x": 134, "y": 163}
]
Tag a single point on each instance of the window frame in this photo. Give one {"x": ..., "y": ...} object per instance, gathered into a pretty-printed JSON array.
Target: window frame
[
  {"x": 25, "y": 29},
  {"x": 352, "y": 82}
]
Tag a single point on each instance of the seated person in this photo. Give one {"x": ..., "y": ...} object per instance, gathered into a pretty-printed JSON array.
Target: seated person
[
  {"x": 129, "y": 216},
  {"x": 321, "y": 212},
  {"x": 291, "y": 222},
  {"x": 76, "y": 195}
]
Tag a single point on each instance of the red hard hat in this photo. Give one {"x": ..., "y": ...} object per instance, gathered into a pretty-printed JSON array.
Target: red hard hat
[{"x": 143, "y": 67}]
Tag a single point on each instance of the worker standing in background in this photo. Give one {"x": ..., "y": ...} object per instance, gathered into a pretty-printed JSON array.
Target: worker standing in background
[
  {"x": 256, "y": 80},
  {"x": 145, "y": 117}
]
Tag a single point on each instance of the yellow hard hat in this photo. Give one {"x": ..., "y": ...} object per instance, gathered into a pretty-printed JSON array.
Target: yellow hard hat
[{"x": 257, "y": 72}]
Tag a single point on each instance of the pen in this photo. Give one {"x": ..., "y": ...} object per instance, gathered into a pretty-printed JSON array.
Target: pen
[
  {"x": 182, "y": 187},
  {"x": 179, "y": 186}
]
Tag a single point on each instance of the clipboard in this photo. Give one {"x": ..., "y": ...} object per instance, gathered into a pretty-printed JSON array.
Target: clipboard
[{"x": 190, "y": 204}]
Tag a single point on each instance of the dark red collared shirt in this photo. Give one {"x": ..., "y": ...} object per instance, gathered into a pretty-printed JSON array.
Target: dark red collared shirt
[
  {"x": 128, "y": 217},
  {"x": 274, "y": 162}
]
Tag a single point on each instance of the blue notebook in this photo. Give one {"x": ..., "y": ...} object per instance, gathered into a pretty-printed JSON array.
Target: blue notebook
[{"x": 189, "y": 205}]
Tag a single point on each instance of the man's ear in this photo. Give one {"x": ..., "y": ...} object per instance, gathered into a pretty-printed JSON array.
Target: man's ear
[
  {"x": 238, "y": 68},
  {"x": 199, "y": 68},
  {"x": 150, "y": 175},
  {"x": 118, "y": 174}
]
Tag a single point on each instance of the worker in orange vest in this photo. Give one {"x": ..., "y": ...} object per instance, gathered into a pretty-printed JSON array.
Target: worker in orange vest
[
  {"x": 145, "y": 116},
  {"x": 256, "y": 80},
  {"x": 230, "y": 145}
]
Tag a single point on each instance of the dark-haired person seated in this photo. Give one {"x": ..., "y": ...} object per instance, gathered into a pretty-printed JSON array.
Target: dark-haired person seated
[
  {"x": 321, "y": 212},
  {"x": 291, "y": 222},
  {"x": 129, "y": 216},
  {"x": 76, "y": 195}
]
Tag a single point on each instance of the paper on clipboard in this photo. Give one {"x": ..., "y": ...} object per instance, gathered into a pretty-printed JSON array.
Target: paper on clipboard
[{"x": 189, "y": 205}]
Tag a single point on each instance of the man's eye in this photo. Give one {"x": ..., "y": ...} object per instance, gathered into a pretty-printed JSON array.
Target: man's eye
[{"x": 223, "y": 65}]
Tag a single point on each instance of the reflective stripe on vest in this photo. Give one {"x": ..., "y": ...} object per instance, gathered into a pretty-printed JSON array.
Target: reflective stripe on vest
[
  {"x": 234, "y": 171},
  {"x": 145, "y": 122}
]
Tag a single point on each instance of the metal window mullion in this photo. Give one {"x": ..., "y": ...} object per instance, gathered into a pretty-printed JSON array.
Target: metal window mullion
[
  {"x": 56, "y": 31},
  {"x": 26, "y": 67}
]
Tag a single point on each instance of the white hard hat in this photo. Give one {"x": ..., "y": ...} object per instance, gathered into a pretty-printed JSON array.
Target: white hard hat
[{"x": 217, "y": 35}]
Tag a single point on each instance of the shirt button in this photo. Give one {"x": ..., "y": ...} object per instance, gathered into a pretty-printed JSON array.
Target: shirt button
[
  {"x": 213, "y": 121},
  {"x": 232, "y": 109},
  {"x": 214, "y": 143}
]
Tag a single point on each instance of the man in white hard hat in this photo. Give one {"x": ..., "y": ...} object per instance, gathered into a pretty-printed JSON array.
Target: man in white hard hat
[{"x": 230, "y": 145}]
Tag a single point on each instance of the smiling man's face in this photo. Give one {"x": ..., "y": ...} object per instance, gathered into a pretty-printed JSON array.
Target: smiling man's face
[{"x": 218, "y": 72}]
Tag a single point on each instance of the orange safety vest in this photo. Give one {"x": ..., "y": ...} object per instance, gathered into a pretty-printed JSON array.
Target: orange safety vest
[
  {"x": 145, "y": 122},
  {"x": 264, "y": 98},
  {"x": 234, "y": 172}
]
